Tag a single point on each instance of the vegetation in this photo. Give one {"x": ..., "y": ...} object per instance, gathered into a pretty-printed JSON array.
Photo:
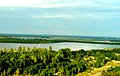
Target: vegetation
[
  {"x": 112, "y": 71},
  {"x": 17, "y": 40},
  {"x": 47, "y": 39},
  {"x": 48, "y": 62}
]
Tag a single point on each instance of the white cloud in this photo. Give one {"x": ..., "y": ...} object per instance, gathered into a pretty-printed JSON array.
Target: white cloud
[
  {"x": 50, "y": 16},
  {"x": 81, "y": 16},
  {"x": 57, "y": 3},
  {"x": 71, "y": 14},
  {"x": 17, "y": 3},
  {"x": 40, "y": 3}
]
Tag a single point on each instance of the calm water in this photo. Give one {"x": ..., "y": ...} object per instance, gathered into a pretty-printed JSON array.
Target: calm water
[{"x": 57, "y": 46}]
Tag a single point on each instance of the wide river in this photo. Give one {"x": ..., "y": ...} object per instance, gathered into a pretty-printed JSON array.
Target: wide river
[{"x": 57, "y": 46}]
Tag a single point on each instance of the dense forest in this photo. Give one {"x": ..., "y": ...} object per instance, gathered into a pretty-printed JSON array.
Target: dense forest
[{"x": 65, "y": 62}]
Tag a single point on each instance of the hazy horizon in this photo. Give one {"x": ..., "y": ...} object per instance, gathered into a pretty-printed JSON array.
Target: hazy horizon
[{"x": 61, "y": 17}]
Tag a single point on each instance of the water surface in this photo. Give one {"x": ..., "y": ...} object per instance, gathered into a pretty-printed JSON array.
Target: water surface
[{"x": 57, "y": 46}]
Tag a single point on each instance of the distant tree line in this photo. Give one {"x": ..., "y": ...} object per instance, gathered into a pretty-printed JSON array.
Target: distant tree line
[
  {"x": 41, "y": 40},
  {"x": 17, "y": 40}
]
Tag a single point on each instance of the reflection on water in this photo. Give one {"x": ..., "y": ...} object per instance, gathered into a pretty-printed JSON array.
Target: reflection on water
[{"x": 57, "y": 46}]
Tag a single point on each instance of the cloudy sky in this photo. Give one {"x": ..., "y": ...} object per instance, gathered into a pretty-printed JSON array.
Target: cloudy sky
[{"x": 61, "y": 17}]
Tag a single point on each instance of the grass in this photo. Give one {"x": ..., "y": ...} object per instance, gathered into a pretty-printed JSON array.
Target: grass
[{"x": 98, "y": 71}]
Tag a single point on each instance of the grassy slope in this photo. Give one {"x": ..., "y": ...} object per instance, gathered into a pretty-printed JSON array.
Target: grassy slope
[{"x": 98, "y": 71}]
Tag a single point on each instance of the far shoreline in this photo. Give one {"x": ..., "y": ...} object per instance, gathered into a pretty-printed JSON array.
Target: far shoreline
[{"x": 107, "y": 43}]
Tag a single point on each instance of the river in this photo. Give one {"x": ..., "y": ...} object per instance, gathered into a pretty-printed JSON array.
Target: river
[{"x": 57, "y": 46}]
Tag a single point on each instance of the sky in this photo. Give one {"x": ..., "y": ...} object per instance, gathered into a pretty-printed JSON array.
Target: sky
[{"x": 61, "y": 17}]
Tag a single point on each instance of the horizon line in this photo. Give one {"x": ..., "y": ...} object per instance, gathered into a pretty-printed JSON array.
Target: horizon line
[{"x": 57, "y": 35}]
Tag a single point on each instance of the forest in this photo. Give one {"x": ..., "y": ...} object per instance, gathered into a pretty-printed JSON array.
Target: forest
[{"x": 65, "y": 62}]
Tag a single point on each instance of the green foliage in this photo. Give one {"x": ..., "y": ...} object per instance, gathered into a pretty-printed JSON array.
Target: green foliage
[
  {"x": 40, "y": 39},
  {"x": 19, "y": 40},
  {"x": 113, "y": 71},
  {"x": 47, "y": 62}
]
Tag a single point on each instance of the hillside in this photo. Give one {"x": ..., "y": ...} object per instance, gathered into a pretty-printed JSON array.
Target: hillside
[{"x": 65, "y": 62}]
